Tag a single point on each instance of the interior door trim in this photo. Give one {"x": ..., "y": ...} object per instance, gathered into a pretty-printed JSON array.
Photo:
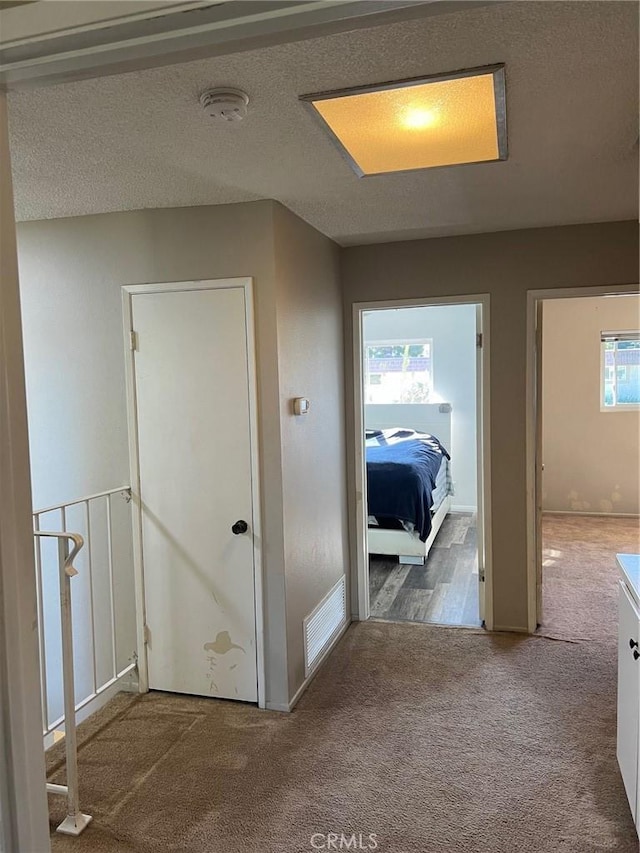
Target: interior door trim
[{"x": 244, "y": 283}]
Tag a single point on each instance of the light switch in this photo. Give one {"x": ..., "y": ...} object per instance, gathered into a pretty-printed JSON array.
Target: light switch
[{"x": 301, "y": 406}]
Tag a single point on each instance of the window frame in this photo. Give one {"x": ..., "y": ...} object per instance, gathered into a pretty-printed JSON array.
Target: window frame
[{"x": 614, "y": 337}]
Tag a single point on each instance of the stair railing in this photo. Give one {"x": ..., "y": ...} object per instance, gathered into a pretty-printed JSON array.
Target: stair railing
[
  {"x": 94, "y": 636},
  {"x": 75, "y": 821}
]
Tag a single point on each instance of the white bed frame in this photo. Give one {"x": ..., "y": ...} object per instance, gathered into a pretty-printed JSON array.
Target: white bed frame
[{"x": 434, "y": 418}]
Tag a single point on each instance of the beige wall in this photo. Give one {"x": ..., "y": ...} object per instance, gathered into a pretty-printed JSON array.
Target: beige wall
[
  {"x": 591, "y": 458},
  {"x": 310, "y": 364},
  {"x": 71, "y": 272},
  {"x": 505, "y": 265}
]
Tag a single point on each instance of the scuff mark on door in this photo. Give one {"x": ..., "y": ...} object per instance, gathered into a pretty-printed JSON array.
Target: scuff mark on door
[{"x": 222, "y": 644}]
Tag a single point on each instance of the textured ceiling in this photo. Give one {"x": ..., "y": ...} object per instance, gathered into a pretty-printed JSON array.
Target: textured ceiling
[{"x": 140, "y": 140}]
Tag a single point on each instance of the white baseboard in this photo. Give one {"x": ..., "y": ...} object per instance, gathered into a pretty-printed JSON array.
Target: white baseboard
[
  {"x": 599, "y": 514},
  {"x": 277, "y": 706},
  {"x": 457, "y": 508},
  {"x": 127, "y": 684}
]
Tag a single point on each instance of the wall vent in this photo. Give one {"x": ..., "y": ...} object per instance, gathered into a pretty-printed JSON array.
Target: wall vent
[{"x": 323, "y": 623}]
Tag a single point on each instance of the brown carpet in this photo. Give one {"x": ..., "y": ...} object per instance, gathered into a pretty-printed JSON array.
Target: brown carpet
[
  {"x": 580, "y": 574},
  {"x": 439, "y": 740}
]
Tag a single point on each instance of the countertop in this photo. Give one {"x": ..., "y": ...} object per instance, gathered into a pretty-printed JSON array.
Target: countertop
[{"x": 630, "y": 569}]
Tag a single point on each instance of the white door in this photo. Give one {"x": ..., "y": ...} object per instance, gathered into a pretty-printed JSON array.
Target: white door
[{"x": 194, "y": 454}]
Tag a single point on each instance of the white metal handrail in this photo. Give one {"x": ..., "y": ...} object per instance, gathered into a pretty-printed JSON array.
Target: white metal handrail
[
  {"x": 75, "y": 821},
  {"x": 98, "y": 680},
  {"x": 121, "y": 490},
  {"x": 116, "y": 674}
]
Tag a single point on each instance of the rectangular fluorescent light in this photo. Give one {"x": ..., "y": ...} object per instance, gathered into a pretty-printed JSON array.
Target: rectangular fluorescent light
[{"x": 422, "y": 123}]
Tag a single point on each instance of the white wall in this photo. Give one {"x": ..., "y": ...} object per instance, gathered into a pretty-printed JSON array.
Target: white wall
[
  {"x": 591, "y": 458},
  {"x": 453, "y": 331}
]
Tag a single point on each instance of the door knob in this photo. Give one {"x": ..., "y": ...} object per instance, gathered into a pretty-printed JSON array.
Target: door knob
[{"x": 239, "y": 527}]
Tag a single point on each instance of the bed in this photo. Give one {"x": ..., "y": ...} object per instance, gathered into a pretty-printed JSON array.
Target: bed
[{"x": 409, "y": 480}]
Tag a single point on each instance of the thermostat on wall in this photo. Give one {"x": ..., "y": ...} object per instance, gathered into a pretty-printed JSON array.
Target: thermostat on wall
[{"x": 301, "y": 406}]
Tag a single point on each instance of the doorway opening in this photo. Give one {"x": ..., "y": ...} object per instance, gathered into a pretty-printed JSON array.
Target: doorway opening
[
  {"x": 583, "y": 456},
  {"x": 422, "y": 448}
]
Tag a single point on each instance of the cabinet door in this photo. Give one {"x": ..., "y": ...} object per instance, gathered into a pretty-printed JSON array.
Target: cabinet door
[{"x": 628, "y": 695}]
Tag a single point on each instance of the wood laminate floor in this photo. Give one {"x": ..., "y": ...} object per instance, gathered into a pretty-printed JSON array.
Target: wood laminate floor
[{"x": 444, "y": 591}]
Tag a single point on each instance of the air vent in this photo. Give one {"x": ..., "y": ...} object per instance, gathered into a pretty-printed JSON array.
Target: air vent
[{"x": 322, "y": 625}]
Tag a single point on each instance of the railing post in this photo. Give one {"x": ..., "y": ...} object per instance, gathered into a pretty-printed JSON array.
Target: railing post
[{"x": 75, "y": 820}]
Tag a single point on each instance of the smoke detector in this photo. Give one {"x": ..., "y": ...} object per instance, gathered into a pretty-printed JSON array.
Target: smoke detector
[{"x": 225, "y": 104}]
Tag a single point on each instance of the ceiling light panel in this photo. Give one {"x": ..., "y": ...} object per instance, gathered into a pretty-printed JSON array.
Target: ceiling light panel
[{"x": 421, "y": 123}]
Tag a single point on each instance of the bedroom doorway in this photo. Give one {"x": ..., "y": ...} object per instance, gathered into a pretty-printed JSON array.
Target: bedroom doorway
[
  {"x": 582, "y": 505},
  {"x": 421, "y": 438}
]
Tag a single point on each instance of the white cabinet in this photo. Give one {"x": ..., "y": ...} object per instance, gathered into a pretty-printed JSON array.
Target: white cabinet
[{"x": 628, "y": 744}]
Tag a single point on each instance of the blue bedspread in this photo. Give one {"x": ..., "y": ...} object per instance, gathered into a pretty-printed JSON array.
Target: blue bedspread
[{"x": 401, "y": 477}]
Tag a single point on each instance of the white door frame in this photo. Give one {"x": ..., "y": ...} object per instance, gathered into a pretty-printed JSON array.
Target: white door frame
[
  {"x": 533, "y": 412},
  {"x": 128, "y": 291},
  {"x": 361, "y": 580}
]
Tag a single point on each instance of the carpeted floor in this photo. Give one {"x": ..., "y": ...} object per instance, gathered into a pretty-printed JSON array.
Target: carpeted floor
[
  {"x": 580, "y": 576},
  {"x": 438, "y": 740}
]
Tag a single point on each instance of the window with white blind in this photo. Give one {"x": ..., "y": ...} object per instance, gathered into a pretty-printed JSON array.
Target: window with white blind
[{"x": 619, "y": 370}]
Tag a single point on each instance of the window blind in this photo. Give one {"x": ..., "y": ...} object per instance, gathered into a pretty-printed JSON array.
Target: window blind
[{"x": 611, "y": 337}]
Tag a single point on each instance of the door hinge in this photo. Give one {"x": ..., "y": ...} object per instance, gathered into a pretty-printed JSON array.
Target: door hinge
[
  {"x": 479, "y": 340},
  {"x": 146, "y": 633},
  {"x": 133, "y": 340},
  {"x": 481, "y": 575}
]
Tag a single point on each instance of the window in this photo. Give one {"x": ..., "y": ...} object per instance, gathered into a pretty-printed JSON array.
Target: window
[
  {"x": 398, "y": 371},
  {"x": 620, "y": 371}
]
